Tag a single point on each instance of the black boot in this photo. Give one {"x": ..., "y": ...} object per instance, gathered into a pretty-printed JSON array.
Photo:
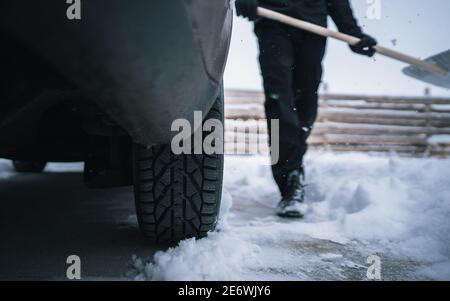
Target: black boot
[{"x": 293, "y": 195}]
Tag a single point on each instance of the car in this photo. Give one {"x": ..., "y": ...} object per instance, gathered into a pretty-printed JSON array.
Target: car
[{"x": 104, "y": 88}]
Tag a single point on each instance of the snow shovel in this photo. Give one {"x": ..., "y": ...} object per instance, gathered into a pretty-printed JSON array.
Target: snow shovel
[
  {"x": 442, "y": 59},
  {"x": 433, "y": 70}
]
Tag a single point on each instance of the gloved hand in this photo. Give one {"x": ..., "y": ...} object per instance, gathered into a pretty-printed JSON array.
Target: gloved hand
[
  {"x": 247, "y": 9},
  {"x": 365, "y": 46}
]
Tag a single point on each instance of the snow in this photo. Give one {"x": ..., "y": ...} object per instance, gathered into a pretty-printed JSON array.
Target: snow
[
  {"x": 441, "y": 108},
  {"x": 439, "y": 139},
  {"x": 359, "y": 205},
  {"x": 6, "y": 169}
]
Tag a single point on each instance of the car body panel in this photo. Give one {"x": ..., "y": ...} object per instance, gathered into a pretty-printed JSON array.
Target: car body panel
[{"x": 143, "y": 63}]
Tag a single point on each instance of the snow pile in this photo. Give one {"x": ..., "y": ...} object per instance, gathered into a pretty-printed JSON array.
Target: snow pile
[
  {"x": 402, "y": 203},
  {"x": 439, "y": 139},
  {"x": 6, "y": 169},
  {"x": 217, "y": 257},
  {"x": 359, "y": 205}
]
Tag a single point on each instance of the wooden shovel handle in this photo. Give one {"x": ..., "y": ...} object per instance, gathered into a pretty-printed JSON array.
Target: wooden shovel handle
[
  {"x": 351, "y": 40},
  {"x": 430, "y": 67}
]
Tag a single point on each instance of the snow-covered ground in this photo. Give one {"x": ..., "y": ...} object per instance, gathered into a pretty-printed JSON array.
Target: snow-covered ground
[{"x": 359, "y": 205}]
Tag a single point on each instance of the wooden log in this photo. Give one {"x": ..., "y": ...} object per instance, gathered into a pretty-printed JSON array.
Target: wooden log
[
  {"x": 379, "y": 148},
  {"x": 261, "y": 139},
  {"x": 357, "y": 104},
  {"x": 374, "y": 129},
  {"x": 260, "y": 127},
  {"x": 258, "y": 96},
  {"x": 376, "y": 139},
  {"x": 257, "y": 112},
  {"x": 244, "y": 100},
  {"x": 244, "y": 149},
  {"x": 387, "y": 99},
  {"x": 373, "y": 121},
  {"x": 243, "y": 93},
  {"x": 373, "y": 106},
  {"x": 384, "y": 114}
]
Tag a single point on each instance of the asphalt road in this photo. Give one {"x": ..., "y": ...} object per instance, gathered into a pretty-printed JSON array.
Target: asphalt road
[{"x": 47, "y": 217}]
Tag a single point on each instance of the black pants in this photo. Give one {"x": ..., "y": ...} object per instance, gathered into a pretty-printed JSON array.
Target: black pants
[{"x": 291, "y": 66}]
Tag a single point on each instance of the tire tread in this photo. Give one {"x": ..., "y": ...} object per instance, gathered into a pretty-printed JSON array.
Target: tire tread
[{"x": 177, "y": 196}]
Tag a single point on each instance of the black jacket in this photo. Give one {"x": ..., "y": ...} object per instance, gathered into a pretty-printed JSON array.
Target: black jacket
[{"x": 316, "y": 11}]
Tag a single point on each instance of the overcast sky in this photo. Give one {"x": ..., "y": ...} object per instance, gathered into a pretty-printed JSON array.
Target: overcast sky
[{"x": 421, "y": 28}]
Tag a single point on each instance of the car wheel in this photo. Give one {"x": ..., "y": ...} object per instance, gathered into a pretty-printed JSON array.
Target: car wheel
[
  {"x": 178, "y": 196},
  {"x": 29, "y": 166}
]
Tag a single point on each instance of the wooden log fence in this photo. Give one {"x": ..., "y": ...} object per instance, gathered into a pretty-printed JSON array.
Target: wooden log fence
[{"x": 414, "y": 126}]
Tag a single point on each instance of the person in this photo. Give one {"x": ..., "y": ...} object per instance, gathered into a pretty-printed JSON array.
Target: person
[{"x": 291, "y": 67}]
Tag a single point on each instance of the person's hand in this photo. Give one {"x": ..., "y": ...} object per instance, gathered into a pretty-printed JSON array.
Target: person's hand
[
  {"x": 365, "y": 46},
  {"x": 247, "y": 9}
]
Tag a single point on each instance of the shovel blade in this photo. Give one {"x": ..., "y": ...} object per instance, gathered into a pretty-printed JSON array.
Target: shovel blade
[{"x": 442, "y": 60}]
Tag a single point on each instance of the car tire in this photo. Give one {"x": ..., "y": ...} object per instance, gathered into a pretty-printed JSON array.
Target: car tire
[
  {"x": 178, "y": 196},
  {"x": 29, "y": 166}
]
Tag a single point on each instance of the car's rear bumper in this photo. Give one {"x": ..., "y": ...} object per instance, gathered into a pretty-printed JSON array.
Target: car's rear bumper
[{"x": 145, "y": 63}]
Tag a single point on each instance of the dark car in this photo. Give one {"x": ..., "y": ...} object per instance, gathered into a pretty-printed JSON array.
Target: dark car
[{"x": 105, "y": 88}]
